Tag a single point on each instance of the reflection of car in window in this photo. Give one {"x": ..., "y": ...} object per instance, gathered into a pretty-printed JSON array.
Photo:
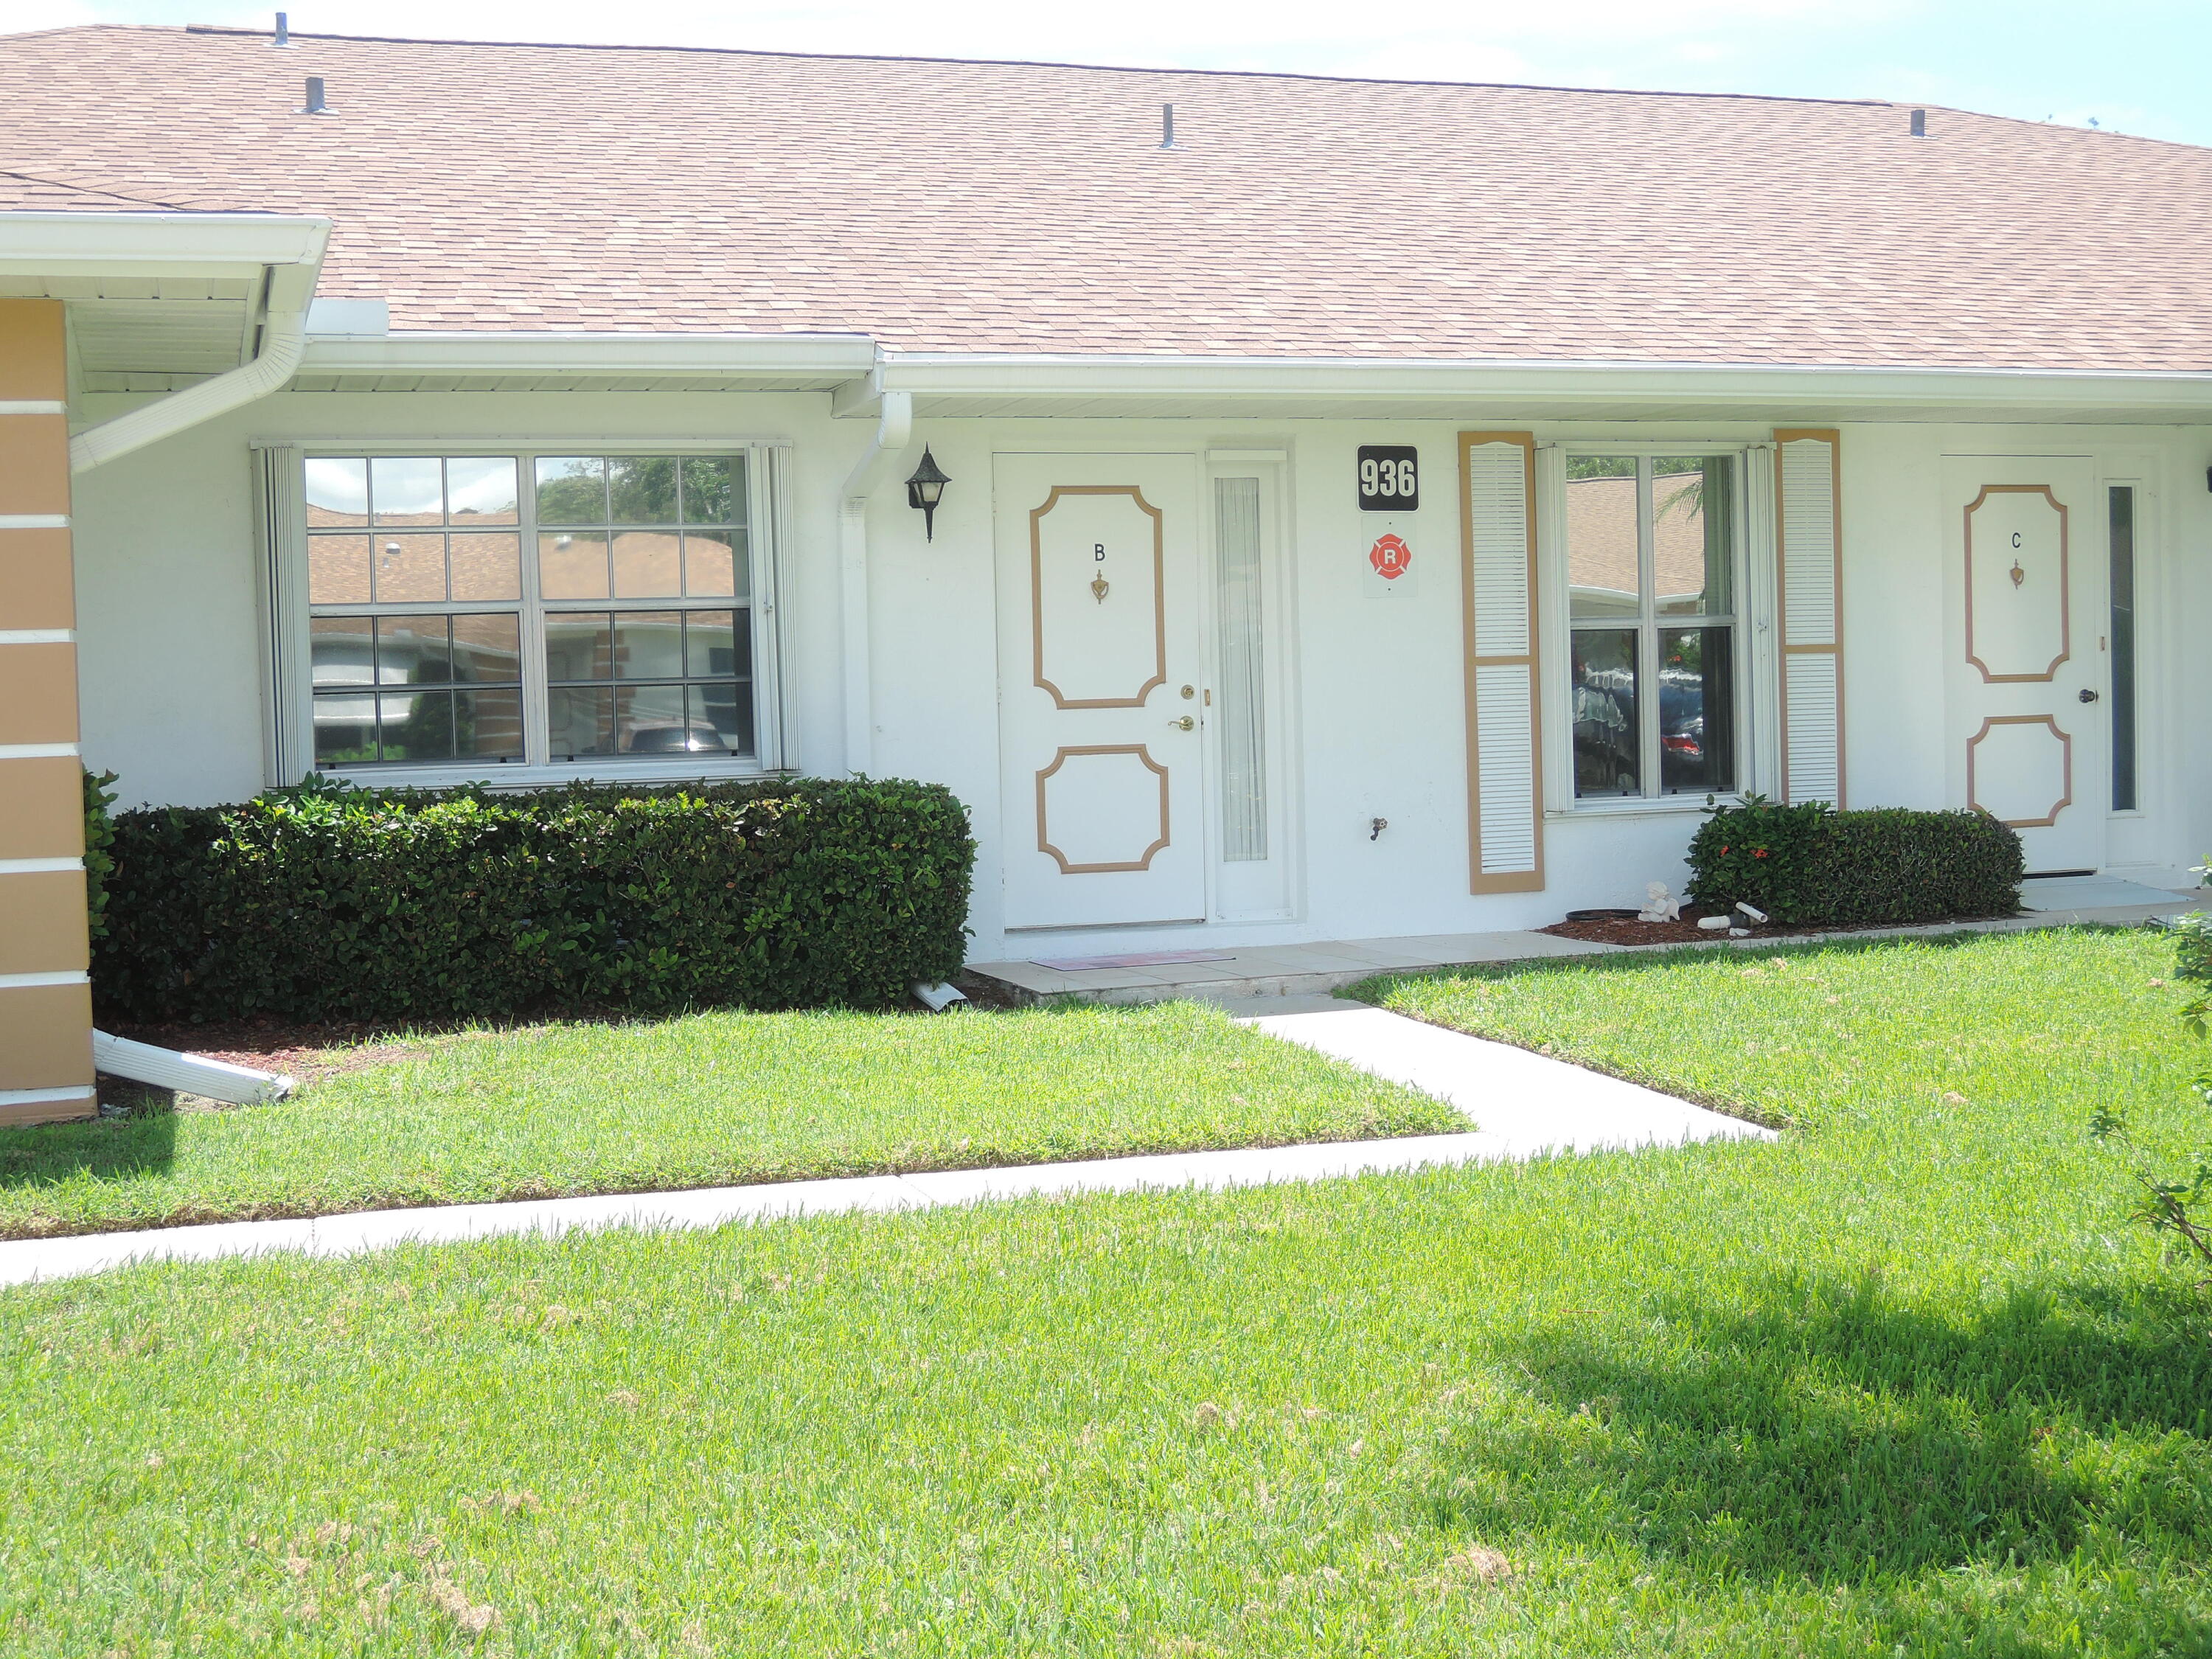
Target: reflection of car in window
[
  {"x": 694, "y": 739},
  {"x": 1681, "y": 730},
  {"x": 1605, "y": 735}
]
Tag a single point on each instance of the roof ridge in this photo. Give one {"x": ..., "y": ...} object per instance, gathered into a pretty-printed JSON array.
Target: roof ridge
[{"x": 1014, "y": 63}]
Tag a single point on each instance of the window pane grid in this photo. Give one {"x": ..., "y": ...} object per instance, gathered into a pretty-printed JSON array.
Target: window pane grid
[
  {"x": 1651, "y": 555},
  {"x": 403, "y": 671}
]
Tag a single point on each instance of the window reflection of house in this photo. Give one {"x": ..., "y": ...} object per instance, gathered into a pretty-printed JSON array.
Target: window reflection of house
[{"x": 1651, "y": 549}]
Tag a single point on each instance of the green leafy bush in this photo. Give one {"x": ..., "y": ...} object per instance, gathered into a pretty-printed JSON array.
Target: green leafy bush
[
  {"x": 99, "y": 836},
  {"x": 2176, "y": 1206},
  {"x": 331, "y": 902},
  {"x": 1811, "y": 864}
]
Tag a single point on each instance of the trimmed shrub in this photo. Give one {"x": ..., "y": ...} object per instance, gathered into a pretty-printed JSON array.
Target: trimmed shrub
[
  {"x": 99, "y": 836},
  {"x": 1811, "y": 864},
  {"x": 326, "y": 902}
]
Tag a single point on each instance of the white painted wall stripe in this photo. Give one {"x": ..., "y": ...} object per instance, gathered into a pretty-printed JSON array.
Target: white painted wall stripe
[
  {"x": 34, "y": 521},
  {"x": 45, "y": 1096},
  {"x": 31, "y": 981},
  {"x": 38, "y": 636},
  {"x": 32, "y": 406},
  {"x": 37, "y": 866},
  {"x": 36, "y": 750}
]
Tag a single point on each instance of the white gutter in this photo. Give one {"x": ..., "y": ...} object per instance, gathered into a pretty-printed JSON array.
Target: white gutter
[
  {"x": 894, "y": 431},
  {"x": 2176, "y": 396},
  {"x": 827, "y": 356},
  {"x": 289, "y": 287},
  {"x": 155, "y": 243}
]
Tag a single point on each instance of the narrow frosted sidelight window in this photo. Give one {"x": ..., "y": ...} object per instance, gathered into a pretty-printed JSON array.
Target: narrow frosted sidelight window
[
  {"x": 1238, "y": 708},
  {"x": 2122, "y": 499}
]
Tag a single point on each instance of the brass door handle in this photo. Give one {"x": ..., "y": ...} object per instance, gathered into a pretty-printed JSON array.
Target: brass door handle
[{"x": 1184, "y": 724}]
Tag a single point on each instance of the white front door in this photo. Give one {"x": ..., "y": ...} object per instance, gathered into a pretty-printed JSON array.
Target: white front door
[
  {"x": 1099, "y": 701},
  {"x": 2027, "y": 725}
]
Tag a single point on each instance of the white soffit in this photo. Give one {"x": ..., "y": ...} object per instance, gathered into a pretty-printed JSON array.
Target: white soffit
[{"x": 156, "y": 300}]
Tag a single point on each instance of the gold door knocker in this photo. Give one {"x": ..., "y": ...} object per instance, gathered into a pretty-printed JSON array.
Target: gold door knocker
[
  {"x": 1098, "y": 589},
  {"x": 2018, "y": 575}
]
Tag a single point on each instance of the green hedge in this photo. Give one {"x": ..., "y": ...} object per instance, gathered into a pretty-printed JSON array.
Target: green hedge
[
  {"x": 1811, "y": 864},
  {"x": 318, "y": 903},
  {"x": 99, "y": 838}
]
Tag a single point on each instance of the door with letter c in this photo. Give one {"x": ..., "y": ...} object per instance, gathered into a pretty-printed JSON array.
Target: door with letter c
[{"x": 2030, "y": 659}]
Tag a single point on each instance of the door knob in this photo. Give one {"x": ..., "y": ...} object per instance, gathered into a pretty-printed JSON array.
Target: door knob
[
  {"x": 2087, "y": 696},
  {"x": 1184, "y": 724}
]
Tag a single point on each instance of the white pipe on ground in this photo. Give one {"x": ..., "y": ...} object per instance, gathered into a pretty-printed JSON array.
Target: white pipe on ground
[{"x": 190, "y": 1074}]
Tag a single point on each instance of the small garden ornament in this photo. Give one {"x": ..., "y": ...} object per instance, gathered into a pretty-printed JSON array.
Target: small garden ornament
[{"x": 1659, "y": 904}]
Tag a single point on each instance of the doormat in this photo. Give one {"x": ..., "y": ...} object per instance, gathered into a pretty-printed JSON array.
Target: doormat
[{"x": 1132, "y": 959}]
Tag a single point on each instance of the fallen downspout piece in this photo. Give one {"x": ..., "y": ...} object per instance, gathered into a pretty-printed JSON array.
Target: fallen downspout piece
[
  {"x": 142, "y": 1062},
  {"x": 939, "y": 997}
]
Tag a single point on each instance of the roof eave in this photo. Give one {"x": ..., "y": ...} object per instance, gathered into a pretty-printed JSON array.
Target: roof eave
[
  {"x": 941, "y": 380},
  {"x": 95, "y": 245},
  {"x": 615, "y": 356}
]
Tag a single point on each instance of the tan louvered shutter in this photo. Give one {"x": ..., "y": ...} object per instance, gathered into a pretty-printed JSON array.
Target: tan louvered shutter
[
  {"x": 1809, "y": 552},
  {"x": 1504, "y": 791}
]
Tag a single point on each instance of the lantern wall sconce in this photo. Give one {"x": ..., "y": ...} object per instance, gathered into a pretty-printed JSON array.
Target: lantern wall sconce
[{"x": 924, "y": 490}]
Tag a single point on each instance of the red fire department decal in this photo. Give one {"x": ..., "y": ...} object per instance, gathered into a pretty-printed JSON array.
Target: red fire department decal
[{"x": 1391, "y": 557}]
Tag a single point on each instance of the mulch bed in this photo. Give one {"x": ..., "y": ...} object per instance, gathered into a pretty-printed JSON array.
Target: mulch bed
[
  {"x": 309, "y": 1053},
  {"x": 1629, "y": 931},
  {"x": 304, "y": 1053}
]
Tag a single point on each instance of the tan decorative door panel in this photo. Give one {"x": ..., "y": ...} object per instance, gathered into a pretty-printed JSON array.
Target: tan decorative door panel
[
  {"x": 2026, "y": 722},
  {"x": 1100, "y": 710}
]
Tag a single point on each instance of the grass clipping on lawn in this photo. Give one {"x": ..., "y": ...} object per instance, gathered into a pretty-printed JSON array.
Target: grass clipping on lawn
[
  {"x": 706, "y": 1100},
  {"x": 1907, "y": 1382}
]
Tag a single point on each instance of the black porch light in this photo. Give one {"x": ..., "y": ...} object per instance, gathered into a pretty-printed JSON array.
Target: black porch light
[{"x": 925, "y": 489}]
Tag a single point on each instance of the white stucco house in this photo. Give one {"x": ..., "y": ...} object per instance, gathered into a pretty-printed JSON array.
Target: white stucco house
[{"x": 1371, "y": 507}]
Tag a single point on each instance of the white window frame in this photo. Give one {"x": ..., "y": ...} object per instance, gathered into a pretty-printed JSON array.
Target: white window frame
[
  {"x": 291, "y": 745},
  {"x": 1759, "y": 695}
]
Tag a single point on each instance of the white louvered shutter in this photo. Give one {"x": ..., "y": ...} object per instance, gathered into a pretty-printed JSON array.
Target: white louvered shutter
[
  {"x": 282, "y": 489},
  {"x": 1505, "y": 805},
  {"x": 1809, "y": 552}
]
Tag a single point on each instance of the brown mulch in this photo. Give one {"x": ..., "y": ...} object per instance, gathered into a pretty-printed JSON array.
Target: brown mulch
[
  {"x": 306, "y": 1052},
  {"x": 1628, "y": 931}
]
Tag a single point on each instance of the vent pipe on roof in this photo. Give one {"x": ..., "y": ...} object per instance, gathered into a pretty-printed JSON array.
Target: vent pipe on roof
[
  {"x": 315, "y": 104},
  {"x": 283, "y": 30},
  {"x": 1167, "y": 127},
  {"x": 1920, "y": 124}
]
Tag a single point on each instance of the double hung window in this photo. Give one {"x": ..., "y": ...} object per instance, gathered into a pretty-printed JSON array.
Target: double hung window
[
  {"x": 523, "y": 610},
  {"x": 1653, "y": 546}
]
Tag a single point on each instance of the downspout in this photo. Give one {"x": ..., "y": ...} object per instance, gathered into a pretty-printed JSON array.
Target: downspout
[
  {"x": 284, "y": 336},
  {"x": 893, "y": 431}
]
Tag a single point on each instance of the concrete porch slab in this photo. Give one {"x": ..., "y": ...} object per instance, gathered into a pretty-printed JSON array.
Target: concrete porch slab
[{"x": 1278, "y": 970}]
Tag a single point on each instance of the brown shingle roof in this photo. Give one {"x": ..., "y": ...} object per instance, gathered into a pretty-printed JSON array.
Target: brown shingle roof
[{"x": 965, "y": 206}]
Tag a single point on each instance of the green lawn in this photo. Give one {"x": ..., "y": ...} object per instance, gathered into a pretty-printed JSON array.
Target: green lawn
[
  {"x": 1907, "y": 1382},
  {"x": 704, "y": 1100}
]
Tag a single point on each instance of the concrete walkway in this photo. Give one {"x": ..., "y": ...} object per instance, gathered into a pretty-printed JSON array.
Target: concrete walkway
[
  {"x": 1527, "y": 1105},
  {"x": 1524, "y": 1105}
]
